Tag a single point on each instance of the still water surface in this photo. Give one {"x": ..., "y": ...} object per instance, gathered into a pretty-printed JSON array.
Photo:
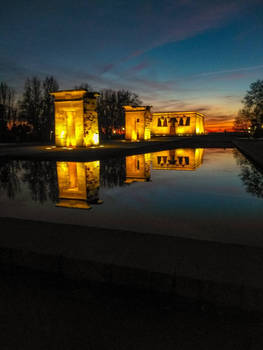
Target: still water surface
[{"x": 213, "y": 194}]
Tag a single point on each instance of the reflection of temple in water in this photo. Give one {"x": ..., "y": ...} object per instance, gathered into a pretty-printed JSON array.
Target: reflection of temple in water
[
  {"x": 78, "y": 184},
  {"x": 138, "y": 168},
  {"x": 178, "y": 159}
]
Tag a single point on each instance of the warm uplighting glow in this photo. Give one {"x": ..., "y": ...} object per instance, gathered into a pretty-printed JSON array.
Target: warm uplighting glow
[
  {"x": 147, "y": 134},
  {"x": 76, "y": 119},
  {"x": 141, "y": 123},
  {"x": 134, "y": 136},
  {"x": 78, "y": 184},
  {"x": 62, "y": 134},
  {"x": 96, "y": 139},
  {"x": 137, "y": 123}
]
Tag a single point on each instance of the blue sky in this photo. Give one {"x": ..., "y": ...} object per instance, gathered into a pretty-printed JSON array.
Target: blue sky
[{"x": 177, "y": 55}]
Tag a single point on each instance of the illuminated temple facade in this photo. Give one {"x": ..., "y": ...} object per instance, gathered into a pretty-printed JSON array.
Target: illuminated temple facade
[
  {"x": 76, "y": 118},
  {"x": 177, "y": 123},
  {"x": 141, "y": 124},
  {"x": 138, "y": 123}
]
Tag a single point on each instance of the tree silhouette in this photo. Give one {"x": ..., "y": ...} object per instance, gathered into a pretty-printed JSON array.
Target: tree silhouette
[
  {"x": 252, "y": 112},
  {"x": 37, "y": 107},
  {"x": 112, "y": 172},
  {"x": 84, "y": 86},
  {"x": 8, "y": 110},
  {"x": 110, "y": 109},
  {"x": 9, "y": 178},
  {"x": 41, "y": 178},
  {"x": 48, "y": 114}
]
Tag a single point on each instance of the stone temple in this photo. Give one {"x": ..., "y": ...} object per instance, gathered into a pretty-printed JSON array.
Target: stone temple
[
  {"x": 76, "y": 118},
  {"x": 141, "y": 123}
]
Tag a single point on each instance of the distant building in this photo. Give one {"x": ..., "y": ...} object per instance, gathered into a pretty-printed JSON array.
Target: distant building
[
  {"x": 137, "y": 123},
  {"x": 177, "y": 123},
  {"x": 141, "y": 124},
  {"x": 76, "y": 118}
]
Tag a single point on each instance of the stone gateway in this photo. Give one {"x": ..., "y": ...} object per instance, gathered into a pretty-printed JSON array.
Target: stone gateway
[{"x": 76, "y": 118}]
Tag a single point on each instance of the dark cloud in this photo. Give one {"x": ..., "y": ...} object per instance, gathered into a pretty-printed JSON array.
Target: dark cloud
[
  {"x": 236, "y": 73},
  {"x": 107, "y": 68}
]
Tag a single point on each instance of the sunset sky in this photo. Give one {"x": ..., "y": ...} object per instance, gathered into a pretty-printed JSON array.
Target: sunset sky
[{"x": 176, "y": 55}]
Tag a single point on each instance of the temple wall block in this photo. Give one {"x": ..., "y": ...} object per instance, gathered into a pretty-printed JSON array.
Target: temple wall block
[
  {"x": 137, "y": 123},
  {"x": 76, "y": 118}
]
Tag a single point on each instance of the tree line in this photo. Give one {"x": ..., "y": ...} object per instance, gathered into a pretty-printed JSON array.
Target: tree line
[
  {"x": 250, "y": 118},
  {"x": 31, "y": 118}
]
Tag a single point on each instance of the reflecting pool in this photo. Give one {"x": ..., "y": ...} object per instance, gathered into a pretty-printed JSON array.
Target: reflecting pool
[{"x": 212, "y": 194}]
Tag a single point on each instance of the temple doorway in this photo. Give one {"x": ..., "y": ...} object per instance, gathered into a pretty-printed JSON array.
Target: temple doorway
[{"x": 173, "y": 126}]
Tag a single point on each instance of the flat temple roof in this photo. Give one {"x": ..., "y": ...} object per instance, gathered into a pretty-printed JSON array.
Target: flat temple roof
[
  {"x": 74, "y": 93},
  {"x": 178, "y": 112}
]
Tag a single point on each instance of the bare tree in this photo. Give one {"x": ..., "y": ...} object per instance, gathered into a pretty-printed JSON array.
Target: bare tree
[
  {"x": 85, "y": 86},
  {"x": 252, "y": 112},
  {"x": 37, "y": 107},
  {"x": 48, "y": 114},
  {"x": 31, "y": 104},
  {"x": 110, "y": 108},
  {"x": 7, "y": 102},
  {"x": 241, "y": 122}
]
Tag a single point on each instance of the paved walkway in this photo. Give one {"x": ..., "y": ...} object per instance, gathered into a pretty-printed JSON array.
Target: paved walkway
[{"x": 110, "y": 148}]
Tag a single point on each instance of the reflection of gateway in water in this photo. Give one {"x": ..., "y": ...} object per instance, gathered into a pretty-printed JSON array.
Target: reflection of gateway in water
[
  {"x": 178, "y": 159},
  {"x": 78, "y": 184},
  {"x": 138, "y": 168}
]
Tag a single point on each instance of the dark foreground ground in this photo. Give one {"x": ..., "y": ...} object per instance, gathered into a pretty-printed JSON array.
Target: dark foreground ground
[
  {"x": 41, "y": 312},
  {"x": 43, "y": 309}
]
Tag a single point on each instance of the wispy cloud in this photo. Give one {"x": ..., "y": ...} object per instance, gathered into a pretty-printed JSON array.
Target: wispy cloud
[
  {"x": 230, "y": 71},
  {"x": 139, "y": 67},
  {"x": 180, "y": 20}
]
